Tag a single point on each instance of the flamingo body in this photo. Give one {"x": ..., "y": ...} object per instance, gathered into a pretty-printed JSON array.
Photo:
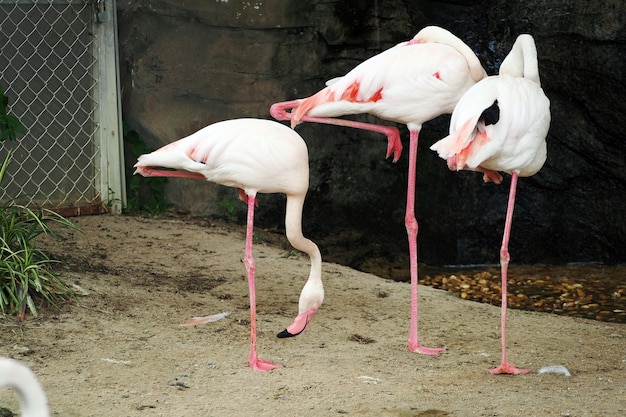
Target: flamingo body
[
  {"x": 513, "y": 142},
  {"x": 254, "y": 156},
  {"x": 33, "y": 401},
  {"x": 501, "y": 124},
  {"x": 250, "y": 154},
  {"x": 410, "y": 83}
]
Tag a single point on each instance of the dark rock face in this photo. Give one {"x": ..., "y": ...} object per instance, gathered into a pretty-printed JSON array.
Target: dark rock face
[{"x": 184, "y": 67}]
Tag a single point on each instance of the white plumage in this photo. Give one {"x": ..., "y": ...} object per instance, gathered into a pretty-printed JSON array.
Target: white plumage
[
  {"x": 254, "y": 156},
  {"x": 501, "y": 124},
  {"x": 410, "y": 83},
  {"x": 250, "y": 154},
  {"x": 32, "y": 398},
  {"x": 516, "y": 140}
]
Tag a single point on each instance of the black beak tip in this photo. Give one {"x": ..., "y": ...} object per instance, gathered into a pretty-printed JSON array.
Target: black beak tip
[{"x": 285, "y": 334}]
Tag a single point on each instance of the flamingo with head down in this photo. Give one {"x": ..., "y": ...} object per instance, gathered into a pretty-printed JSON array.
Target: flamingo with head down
[
  {"x": 410, "y": 83},
  {"x": 255, "y": 156},
  {"x": 501, "y": 124}
]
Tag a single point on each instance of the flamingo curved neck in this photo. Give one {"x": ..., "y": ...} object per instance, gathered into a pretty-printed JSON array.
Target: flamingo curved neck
[
  {"x": 522, "y": 60},
  {"x": 312, "y": 294},
  {"x": 307, "y": 246},
  {"x": 440, "y": 35},
  {"x": 477, "y": 71},
  {"x": 33, "y": 401}
]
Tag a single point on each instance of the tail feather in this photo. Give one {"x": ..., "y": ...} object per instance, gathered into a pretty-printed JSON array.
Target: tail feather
[
  {"x": 454, "y": 144},
  {"x": 174, "y": 159},
  {"x": 472, "y": 150}
]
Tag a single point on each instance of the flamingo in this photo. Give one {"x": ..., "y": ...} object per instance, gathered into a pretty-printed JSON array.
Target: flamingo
[
  {"x": 501, "y": 124},
  {"x": 410, "y": 83},
  {"x": 33, "y": 401},
  {"x": 254, "y": 156}
]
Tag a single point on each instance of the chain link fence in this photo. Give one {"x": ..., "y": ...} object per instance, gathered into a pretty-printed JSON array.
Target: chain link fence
[{"x": 51, "y": 55}]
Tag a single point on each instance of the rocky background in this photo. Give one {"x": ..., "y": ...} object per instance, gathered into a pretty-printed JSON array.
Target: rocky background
[{"x": 187, "y": 64}]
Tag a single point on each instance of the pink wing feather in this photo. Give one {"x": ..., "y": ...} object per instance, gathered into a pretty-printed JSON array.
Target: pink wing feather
[{"x": 409, "y": 83}]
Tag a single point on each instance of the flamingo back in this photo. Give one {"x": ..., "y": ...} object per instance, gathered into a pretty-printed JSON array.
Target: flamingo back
[
  {"x": 513, "y": 142},
  {"x": 410, "y": 83},
  {"x": 254, "y": 155}
]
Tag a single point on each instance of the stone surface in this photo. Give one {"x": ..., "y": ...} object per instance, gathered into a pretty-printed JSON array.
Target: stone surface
[{"x": 187, "y": 65}]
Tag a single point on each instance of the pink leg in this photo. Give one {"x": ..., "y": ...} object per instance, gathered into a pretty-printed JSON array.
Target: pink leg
[
  {"x": 506, "y": 367},
  {"x": 394, "y": 146},
  {"x": 490, "y": 175},
  {"x": 254, "y": 361},
  {"x": 411, "y": 228},
  {"x": 151, "y": 172}
]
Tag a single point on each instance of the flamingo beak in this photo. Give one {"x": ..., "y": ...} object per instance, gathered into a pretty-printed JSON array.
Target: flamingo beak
[{"x": 299, "y": 325}]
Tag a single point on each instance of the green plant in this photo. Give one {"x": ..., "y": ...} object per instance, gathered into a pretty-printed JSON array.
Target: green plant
[
  {"x": 292, "y": 254},
  {"x": 10, "y": 125},
  {"x": 112, "y": 200},
  {"x": 143, "y": 194},
  {"x": 24, "y": 268},
  {"x": 228, "y": 208}
]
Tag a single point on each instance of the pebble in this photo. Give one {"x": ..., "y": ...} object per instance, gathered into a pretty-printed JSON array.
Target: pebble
[{"x": 568, "y": 292}]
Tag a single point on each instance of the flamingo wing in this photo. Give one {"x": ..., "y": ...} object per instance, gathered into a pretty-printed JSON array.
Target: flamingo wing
[
  {"x": 409, "y": 83},
  {"x": 240, "y": 153},
  {"x": 500, "y": 124}
]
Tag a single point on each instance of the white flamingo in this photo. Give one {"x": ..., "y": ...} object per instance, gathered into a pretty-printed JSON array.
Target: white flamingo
[
  {"x": 255, "y": 156},
  {"x": 501, "y": 124},
  {"x": 33, "y": 401},
  {"x": 410, "y": 83}
]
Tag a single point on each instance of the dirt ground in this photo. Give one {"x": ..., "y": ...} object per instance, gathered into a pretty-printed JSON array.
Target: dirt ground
[{"x": 120, "y": 350}]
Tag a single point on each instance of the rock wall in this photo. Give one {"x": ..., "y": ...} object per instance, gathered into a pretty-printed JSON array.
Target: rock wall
[{"x": 187, "y": 65}]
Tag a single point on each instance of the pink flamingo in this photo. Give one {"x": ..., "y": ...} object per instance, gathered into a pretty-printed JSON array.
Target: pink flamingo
[
  {"x": 501, "y": 124},
  {"x": 254, "y": 156},
  {"x": 410, "y": 83},
  {"x": 32, "y": 398}
]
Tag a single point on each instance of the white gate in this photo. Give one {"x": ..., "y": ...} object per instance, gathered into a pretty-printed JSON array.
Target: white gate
[{"x": 58, "y": 64}]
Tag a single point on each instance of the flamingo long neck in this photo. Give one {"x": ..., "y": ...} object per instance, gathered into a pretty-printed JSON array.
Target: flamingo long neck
[
  {"x": 443, "y": 36},
  {"x": 33, "y": 401},
  {"x": 477, "y": 71},
  {"x": 293, "y": 228},
  {"x": 522, "y": 60}
]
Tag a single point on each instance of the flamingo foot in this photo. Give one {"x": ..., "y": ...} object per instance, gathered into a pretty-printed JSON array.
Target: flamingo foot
[
  {"x": 394, "y": 145},
  {"x": 490, "y": 175},
  {"x": 299, "y": 324},
  {"x": 279, "y": 110},
  {"x": 417, "y": 348},
  {"x": 261, "y": 365},
  {"x": 508, "y": 368}
]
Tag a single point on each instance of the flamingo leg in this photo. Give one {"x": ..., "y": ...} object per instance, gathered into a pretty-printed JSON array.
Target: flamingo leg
[
  {"x": 151, "y": 172},
  {"x": 412, "y": 228},
  {"x": 506, "y": 367},
  {"x": 254, "y": 361},
  {"x": 394, "y": 146}
]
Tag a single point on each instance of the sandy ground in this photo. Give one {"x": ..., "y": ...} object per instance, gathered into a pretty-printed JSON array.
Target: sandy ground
[{"x": 120, "y": 350}]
